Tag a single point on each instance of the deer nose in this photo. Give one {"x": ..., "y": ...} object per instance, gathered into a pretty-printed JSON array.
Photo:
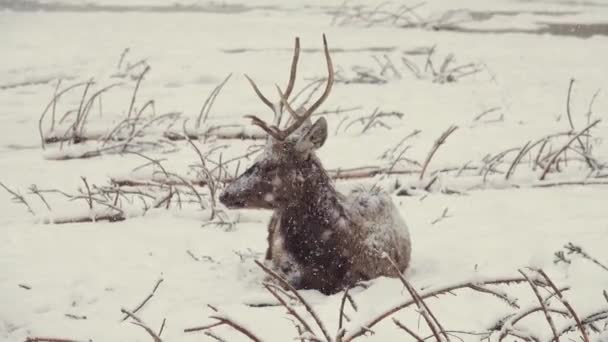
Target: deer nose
[
  {"x": 231, "y": 200},
  {"x": 224, "y": 198}
]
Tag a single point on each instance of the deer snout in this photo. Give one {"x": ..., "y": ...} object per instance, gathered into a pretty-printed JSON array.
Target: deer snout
[{"x": 231, "y": 200}]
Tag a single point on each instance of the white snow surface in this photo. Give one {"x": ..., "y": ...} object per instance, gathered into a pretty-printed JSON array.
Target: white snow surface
[{"x": 53, "y": 276}]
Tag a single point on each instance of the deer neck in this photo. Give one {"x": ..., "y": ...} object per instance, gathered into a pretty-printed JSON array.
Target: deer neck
[{"x": 314, "y": 206}]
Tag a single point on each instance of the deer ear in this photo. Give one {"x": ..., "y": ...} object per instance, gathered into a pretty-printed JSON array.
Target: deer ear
[{"x": 314, "y": 137}]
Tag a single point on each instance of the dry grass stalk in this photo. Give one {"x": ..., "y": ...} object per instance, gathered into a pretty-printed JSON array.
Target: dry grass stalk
[
  {"x": 574, "y": 249},
  {"x": 18, "y": 198},
  {"x": 517, "y": 159},
  {"x": 563, "y": 148},
  {"x": 206, "y": 108},
  {"x": 584, "y": 147},
  {"x": 440, "y": 141},
  {"x": 52, "y": 104},
  {"x": 135, "y": 90},
  {"x": 212, "y": 182}
]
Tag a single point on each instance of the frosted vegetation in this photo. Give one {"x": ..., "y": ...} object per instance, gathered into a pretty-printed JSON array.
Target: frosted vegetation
[{"x": 484, "y": 121}]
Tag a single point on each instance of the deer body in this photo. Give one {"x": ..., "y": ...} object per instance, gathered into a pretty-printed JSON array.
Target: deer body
[
  {"x": 329, "y": 241},
  {"x": 317, "y": 237}
]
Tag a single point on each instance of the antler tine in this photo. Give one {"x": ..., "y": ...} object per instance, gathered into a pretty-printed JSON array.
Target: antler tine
[
  {"x": 294, "y": 67},
  {"x": 259, "y": 93},
  {"x": 285, "y": 103},
  {"x": 330, "y": 80},
  {"x": 270, "y": 130}
]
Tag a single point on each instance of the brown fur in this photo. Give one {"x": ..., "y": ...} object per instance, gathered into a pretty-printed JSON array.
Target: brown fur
[{"x": 318, "y": 238}]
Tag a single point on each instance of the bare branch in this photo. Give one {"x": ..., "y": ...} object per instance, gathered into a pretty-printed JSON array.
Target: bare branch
[
  {"x": 141, "y": 305},
  {"x": 542, "y": 304},
  {"x": 308, "y": 307}
]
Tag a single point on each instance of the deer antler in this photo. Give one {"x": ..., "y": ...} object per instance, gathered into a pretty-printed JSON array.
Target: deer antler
[
  {"x": 274, "y": 131},
  {"x": 292, "y": 77}
]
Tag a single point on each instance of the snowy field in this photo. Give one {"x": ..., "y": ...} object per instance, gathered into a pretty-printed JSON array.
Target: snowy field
[{"x": 120, "y": 127}]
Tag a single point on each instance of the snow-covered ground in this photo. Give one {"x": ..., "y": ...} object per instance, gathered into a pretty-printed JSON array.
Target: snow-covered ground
[{"x": 468, "y": 220}]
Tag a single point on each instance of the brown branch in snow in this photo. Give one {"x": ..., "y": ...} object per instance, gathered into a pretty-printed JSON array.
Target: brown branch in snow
[
  {"x": 542, "y": 304},
  {"x": 141, "y": 324},
  {"x": 342, "y": 303},
  {"x": 440, "y": 141},
  {"x": 50, "y": 339},
  {"x": 444, "y": 215},
  {"x": 162, "y": 327},
  {"x": 500, "y": 295},
  {"x": 225, "y": 132},
  {"x": 289, "y": 308},
  {"x": 526, "y": 313},
  {"x": 365, "y": 172},
  {"x": 486, "y": 112},
  {"x": 141, "y": 305},
  {"x": 408, "y": 330},
  {"x": 568, "y": 183},
  {"x": 24, "y": 286},
  {"x": 508, "y": 327},
  {"x": 222, "y": 320},
  {"x": 588, "y": 320},
  {"x": 97, "y": 217},
  {"x": 238, "y": 327},
  {"x": 566, "y": 304},
  {"x": 424, "y": 310},
  {"x": 214, "y": 336},
  {"x": 77, "y": 317},
  {"x": 308, "y": 307},
  {"x": 427, "y": 294},
  {"x": 204, "y": 327}
]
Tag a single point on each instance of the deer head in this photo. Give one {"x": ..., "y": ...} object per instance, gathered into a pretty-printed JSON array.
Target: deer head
[{"x": 288, "y": 159}]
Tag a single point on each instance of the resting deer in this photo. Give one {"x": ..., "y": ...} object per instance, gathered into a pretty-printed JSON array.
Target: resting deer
[{"x": 317, "y": 237}]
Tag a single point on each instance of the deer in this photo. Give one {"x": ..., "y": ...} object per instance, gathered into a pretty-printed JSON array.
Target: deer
[{"x": 318, "y": 238}]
